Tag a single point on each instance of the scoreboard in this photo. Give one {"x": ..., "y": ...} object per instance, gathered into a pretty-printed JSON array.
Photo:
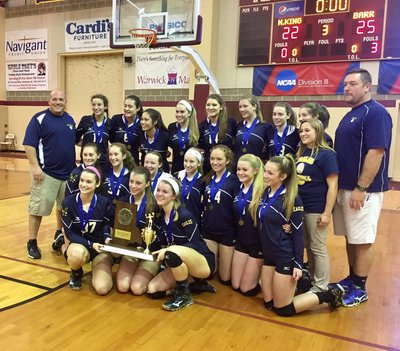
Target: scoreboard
[{"x": 305, "y": 31}]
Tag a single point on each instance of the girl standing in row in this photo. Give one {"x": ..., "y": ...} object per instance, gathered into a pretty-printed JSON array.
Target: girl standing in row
[
  {"x": 284, "y": 138},
  {"x": 124, "y": 128},
  {"x": 216, "y": 129},
  {"x": 154, "y": 136},
  {"x": 183, "y": 134},
  {"x": 95, "y": 129}
]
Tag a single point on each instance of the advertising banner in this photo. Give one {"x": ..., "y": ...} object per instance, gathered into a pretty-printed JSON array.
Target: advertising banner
[
  {"x": 87, "y": 35},
  {"x": 26, "y": 45},
  {"x": 27, "y": 76},
  {"x": 311, "y": 79},
  {"x": 162, "y": 71}
]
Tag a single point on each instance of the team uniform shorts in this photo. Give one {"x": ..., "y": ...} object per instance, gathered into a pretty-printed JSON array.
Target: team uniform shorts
[
  {"x": 359, "y": 226},
  {"x": 254, "y": 250},
  {"x": 285, "y": 268},
  {"x": 45, "y": 194},
  {"x": 226, "y": 240}
]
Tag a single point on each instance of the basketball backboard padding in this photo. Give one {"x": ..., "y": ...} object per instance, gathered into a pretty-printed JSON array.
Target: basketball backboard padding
[{"x": 177, "y": 22}]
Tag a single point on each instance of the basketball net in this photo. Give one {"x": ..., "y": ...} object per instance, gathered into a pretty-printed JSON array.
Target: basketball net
[{"x": 142, "y": 38}]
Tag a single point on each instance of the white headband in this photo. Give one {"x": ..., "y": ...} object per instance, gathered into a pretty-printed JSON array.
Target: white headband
[
  {"x": 186, "y": 104},
  {"x": 194, "y": 153},
  {"x": 171, "y": 181}
]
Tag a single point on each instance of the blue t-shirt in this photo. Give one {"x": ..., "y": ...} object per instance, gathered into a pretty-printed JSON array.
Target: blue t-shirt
[
  {"x": 53, "y": 137},
  {"x": 365, "y": 127},
  {"x": 312, "y": 171}
]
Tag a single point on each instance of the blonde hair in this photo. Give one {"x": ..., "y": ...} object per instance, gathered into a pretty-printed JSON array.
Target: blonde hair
[
  {"x": 319, "y": 142},
  {"x": 128, "y": 162},
  {"x": 194, "y": 132},
  {"x": 258, "y": 183},
  {"x": 287, "y": 166}
]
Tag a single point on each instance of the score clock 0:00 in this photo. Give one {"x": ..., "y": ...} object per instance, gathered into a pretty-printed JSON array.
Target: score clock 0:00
[{"x": 319, "y": 31}]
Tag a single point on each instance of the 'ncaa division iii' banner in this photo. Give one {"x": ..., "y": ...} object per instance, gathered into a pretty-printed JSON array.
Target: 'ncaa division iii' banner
[{"x": 311, "y": 79}]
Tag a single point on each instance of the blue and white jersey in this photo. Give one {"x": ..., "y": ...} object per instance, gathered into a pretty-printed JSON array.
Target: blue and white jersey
[
  {"x": 257, "y": 143},
  {"x": 184, "y": 231},
  {"x": 277, "y": 245},
  {"x": 218, "y": 216},
  {"x": 206, "y": 143},
  {"x": 119, "y": 191},
  {"x": 178, "y": 147},
  {"x": 72, "y": 186},
  {"x": 86, "y": 131},
  {"x": 97, "y": 229},
  {"x": 192, "y": 198},
  {"x": 290, "y": 145},
  {"x": 53, "y": 137},
  {"x": 246, "y": 230},
  {"x": 312, "y": 171},
  {"x": 159, "y": 145},
  {"x": 365, "y": 127},
  {"x": 127, "y": 134}
]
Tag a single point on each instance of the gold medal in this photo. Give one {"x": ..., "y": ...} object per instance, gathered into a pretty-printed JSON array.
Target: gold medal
[
  {"x": 211, "y": 207},
  {"x": 241, "y": 222},
  {"x": 128, "y": 147},
  {"x": 244, "y": 150},
  {"x": 181, "y": 153},
  {"x": 114, "y": 201}
]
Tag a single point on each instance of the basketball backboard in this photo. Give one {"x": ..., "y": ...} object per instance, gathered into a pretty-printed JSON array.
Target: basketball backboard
[{"x": 177, "y": 22}]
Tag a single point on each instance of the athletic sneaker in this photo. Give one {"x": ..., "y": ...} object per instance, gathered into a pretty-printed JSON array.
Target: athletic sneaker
[
  {"x": 337, "y": 292},
  {"x": 201, "y": 285},
  {"x": 75, "y": 281},
  {"x": 354, "y": 296},
  {"x": 58, "y": 242},
  {"x": 178, "y": 301},
  {"x": 33, "y": 250},
  {"x": 345, "y": 283}
]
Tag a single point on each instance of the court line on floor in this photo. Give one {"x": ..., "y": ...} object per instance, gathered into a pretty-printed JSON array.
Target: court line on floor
[
  {"x": 293, "y": 326},
  {"x": 34, "y": 264},
  {"x": 19, "y": 281},
  {"x": 47, "y": 292}
]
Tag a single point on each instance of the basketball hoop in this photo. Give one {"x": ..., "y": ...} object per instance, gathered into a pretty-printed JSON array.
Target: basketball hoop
[{"x": 142, "y": 38}]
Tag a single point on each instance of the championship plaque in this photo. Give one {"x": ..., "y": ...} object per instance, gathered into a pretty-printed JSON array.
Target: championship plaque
[
  {"x": 126, "y": 237},
  {"x": 125, "y": 230}
]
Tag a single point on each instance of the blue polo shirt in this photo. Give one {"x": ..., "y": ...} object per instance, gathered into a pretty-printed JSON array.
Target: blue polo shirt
[
  {"x": 365, "y": 127},
  {"x": 53, "y": 137}
]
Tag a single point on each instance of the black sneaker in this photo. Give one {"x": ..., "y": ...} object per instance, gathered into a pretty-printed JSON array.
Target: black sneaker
[
  {"x": 178, "y": 301},
  {"x": 33, "y": 250},
  {"x": 75, "y": 281},
  {"x": 337, "y": 292},
  {"x": 201, "y": 285},
  {"x": 58, "y": 242}
]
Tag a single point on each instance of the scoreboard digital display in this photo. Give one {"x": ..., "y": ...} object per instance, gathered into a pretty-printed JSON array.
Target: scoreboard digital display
[{"x": 304, "y": 31}]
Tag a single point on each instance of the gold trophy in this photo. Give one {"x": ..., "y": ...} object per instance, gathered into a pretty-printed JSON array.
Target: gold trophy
[{"x": 148, "y": 234}]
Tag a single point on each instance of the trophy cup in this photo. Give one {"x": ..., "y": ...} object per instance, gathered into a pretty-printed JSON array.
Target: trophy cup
[{"x": 148, "y": 234}]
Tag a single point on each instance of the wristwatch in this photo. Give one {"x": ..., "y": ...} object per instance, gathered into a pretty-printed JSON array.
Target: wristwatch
[{"x": 361, "y": 187}]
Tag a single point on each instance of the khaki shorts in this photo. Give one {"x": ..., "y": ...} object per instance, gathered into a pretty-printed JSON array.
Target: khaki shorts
[
  {"x": 360, "y": 227},
  {"x": 45, "y": 194}
]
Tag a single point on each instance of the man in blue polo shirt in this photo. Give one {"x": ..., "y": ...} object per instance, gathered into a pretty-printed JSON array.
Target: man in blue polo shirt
[
  {"x": 362, "y": 143},
  {"x": 50, "y": 147}
]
